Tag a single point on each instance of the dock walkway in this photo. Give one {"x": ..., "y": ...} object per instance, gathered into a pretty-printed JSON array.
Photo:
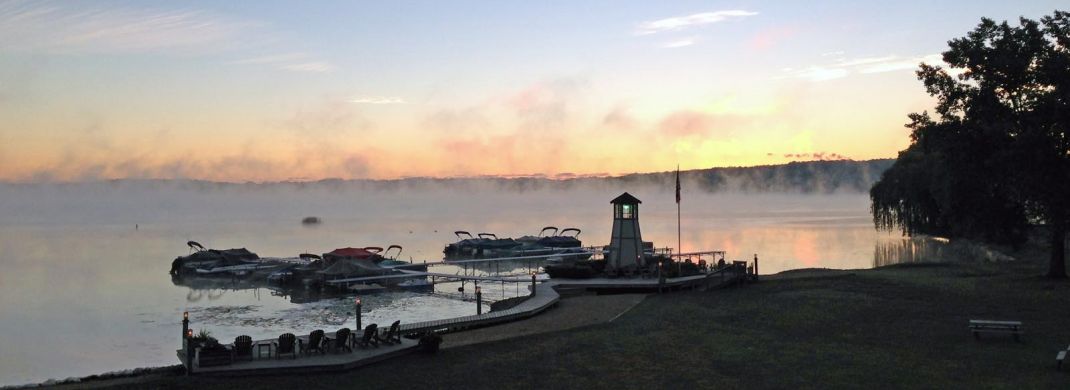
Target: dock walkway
[
  {"x": 546, "y": 295},
  {"x": 264, "y": 362}
]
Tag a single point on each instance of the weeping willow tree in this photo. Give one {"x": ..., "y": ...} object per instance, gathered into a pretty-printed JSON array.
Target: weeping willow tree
[{"x": 996, "y": 157}]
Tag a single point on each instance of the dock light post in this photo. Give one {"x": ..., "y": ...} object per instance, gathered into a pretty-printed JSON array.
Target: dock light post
[
  {"x": 185, "y": 327},
  {"x": 755, "y": 266},
  {"x": 187, "y": 333},
  {"x": 189, "y": 352},
  {"x": 479, "y": 300},
  {"x": 357, "y": 301},
  {"x": 533, "y": 284}
]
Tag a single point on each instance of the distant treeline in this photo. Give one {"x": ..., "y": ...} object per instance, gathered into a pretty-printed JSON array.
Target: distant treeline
[{"x": 795, "y": 177}]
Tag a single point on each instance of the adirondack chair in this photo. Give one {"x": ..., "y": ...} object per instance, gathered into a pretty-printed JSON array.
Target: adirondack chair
[
  {"x": 368, "y": 338},
  {"x": 287, "y": 344},
  {"x": 341, "y": 341},
  {"x": 243, "y": 348},
  {"x": 392, "y": 335},
  {"x": 315, "y": 343}
]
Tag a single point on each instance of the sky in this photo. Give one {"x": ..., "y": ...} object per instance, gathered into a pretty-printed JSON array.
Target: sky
[{"x": 282, "y": 90}]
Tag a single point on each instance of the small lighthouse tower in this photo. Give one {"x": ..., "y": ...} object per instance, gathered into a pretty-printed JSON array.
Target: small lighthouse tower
[{"x": 626, "y": 245}]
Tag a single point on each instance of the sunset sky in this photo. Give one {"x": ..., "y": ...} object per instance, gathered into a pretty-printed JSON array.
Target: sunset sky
[{"x": 266, "y": 90}]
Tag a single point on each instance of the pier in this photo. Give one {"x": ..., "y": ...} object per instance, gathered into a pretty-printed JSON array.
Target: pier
[
  {"x": 545, "y": 295},
  {"x": 630, "y": 265}
]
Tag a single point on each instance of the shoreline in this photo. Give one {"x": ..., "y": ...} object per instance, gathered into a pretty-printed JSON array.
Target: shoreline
[
  {"x": 910, "y": 280},
  {"x": 571, "y": 312}
]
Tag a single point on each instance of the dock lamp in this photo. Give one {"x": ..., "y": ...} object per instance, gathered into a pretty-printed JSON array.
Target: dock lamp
[
  {"x": 185, "y": 324},
  {"x": 189, "y": 351},
  {"x": 479, "y": 300},
  {"x": 357, "y": 302}
]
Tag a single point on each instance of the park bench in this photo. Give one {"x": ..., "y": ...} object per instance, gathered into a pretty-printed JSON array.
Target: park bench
[
  {"x": 1060, "y": 357},
  {"x": 981, "y": 326}
]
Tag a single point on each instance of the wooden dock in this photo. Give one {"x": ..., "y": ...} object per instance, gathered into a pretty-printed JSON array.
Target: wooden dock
[
  {"x": 264, "y": 362},
  {"x": 546, "y": 295}
]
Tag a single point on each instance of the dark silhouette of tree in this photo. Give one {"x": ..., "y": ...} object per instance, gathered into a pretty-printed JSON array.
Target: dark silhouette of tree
[{"x": 996, "y": 158}]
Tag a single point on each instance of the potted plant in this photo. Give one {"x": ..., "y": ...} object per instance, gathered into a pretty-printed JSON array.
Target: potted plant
[
  {"x": 429, "y": 342},
  {"x": 201, "y": 339},
  {"x": 209, "y": 351}
]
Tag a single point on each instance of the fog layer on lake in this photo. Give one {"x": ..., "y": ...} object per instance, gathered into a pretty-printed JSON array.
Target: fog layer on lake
[{"x": 85, "y": 287}]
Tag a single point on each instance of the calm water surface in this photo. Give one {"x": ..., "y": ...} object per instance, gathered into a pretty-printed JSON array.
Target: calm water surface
[{"x": 82, "y": 291}]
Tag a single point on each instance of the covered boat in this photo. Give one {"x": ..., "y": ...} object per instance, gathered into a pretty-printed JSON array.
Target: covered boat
[
  {"x": 567, "y": 238},
  {"x": 485, "y": 245},
  {"x": 212, "y": 258}
]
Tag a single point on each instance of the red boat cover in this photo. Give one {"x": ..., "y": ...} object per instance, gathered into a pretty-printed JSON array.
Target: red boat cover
[{"x": 356, "y": 253}]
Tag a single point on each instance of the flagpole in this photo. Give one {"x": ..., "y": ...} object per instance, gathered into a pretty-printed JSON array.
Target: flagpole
[{"x": 679, "y": 245}]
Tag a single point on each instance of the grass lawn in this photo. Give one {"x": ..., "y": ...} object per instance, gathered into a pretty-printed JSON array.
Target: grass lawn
[{"x": 893, "y": 327}]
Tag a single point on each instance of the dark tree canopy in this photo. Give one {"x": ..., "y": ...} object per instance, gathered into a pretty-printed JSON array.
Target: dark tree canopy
[{"x": 996, "y": 157}]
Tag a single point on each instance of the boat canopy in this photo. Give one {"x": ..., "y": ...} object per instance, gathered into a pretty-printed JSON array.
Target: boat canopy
[
  {"x": 350, "y": 268},
  {"x": 357, "y": 253}
]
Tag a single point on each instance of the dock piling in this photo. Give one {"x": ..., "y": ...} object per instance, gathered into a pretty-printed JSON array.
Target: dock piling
[
  {"x": 185, "y": 327},
  {"x": 479, "y": 300},
  {"x": 359, "y": 327},
  {"x": 189, "y": 352},
  {"x": 755, "y": 266}
]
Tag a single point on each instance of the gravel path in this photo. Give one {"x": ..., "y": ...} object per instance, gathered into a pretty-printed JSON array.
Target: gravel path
[{"x": 569, "y": 313}]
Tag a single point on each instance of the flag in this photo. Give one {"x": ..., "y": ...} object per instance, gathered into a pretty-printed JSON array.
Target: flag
[{"x": 677, "y": 184}]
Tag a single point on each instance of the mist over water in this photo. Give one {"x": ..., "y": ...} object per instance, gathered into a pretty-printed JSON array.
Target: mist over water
[{"x": 84, "y": 292}]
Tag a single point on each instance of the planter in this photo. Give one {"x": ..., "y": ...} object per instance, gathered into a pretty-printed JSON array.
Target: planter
[
  {"x": 429, "y": 343},
  {"x": 213, "y": 356}
]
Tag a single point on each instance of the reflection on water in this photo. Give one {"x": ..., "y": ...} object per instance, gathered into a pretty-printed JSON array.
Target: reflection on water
[
  {"x": 83, "y": 292},
  {"x": 932, "y": 249},
  {"x": 920, "y": 249}
]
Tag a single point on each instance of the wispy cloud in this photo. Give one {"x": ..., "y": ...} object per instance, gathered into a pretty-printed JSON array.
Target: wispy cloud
[
  {"x": 316, "y": 66},
  {"x": 60, "y": 27},
  {"x": 893, "y": 64},
  {"x": 296, "y": 62},
  {"x": 272, "y": 59},
  {"x": 682, "y": 22},
  {"x": 843, "y": 67},
  {"x": 679, "y": 43},
  {"x": 818, "y": 73},
  {"x": 81, "y": 27},
  {"x": 378, "y": 100}
]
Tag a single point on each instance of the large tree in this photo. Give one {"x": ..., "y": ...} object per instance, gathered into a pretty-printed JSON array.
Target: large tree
[{"x": 996, "y": 158}]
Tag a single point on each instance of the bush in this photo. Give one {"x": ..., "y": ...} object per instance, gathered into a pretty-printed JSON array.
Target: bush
[{"x": 429, "y": 342}]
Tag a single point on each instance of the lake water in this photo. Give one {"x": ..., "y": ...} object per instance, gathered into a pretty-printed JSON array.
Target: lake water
[{"x": 83, "y": 292}]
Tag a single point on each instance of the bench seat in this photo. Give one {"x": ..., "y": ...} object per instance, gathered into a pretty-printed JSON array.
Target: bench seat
[{"x": 979, "y": 326}]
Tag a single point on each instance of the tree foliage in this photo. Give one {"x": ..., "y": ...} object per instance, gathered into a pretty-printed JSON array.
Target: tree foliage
[{"x": 996, "y": 157}]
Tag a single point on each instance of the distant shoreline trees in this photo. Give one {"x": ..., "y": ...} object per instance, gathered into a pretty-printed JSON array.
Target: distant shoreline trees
[{"x": 996, "y": 158}]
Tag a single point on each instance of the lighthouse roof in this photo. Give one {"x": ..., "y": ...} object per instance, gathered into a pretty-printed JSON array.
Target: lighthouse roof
[{"x": 625, "y": 198}]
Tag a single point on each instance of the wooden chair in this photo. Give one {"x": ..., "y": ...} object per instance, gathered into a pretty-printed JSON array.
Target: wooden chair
[
  {"x": 392, "y": 335},
  {"x": 315, "y": 343},
  {"x": 341, "y": 341},
  {"x": 1060, "y": 357},
  {"x": 287, "y": 344},
  {"x": 243, "y": 347},
  {"x": 368, "y": 339}
]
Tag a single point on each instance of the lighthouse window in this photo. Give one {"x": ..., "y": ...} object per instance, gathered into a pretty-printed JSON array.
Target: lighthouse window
[{"x": 627, "y": 212}]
